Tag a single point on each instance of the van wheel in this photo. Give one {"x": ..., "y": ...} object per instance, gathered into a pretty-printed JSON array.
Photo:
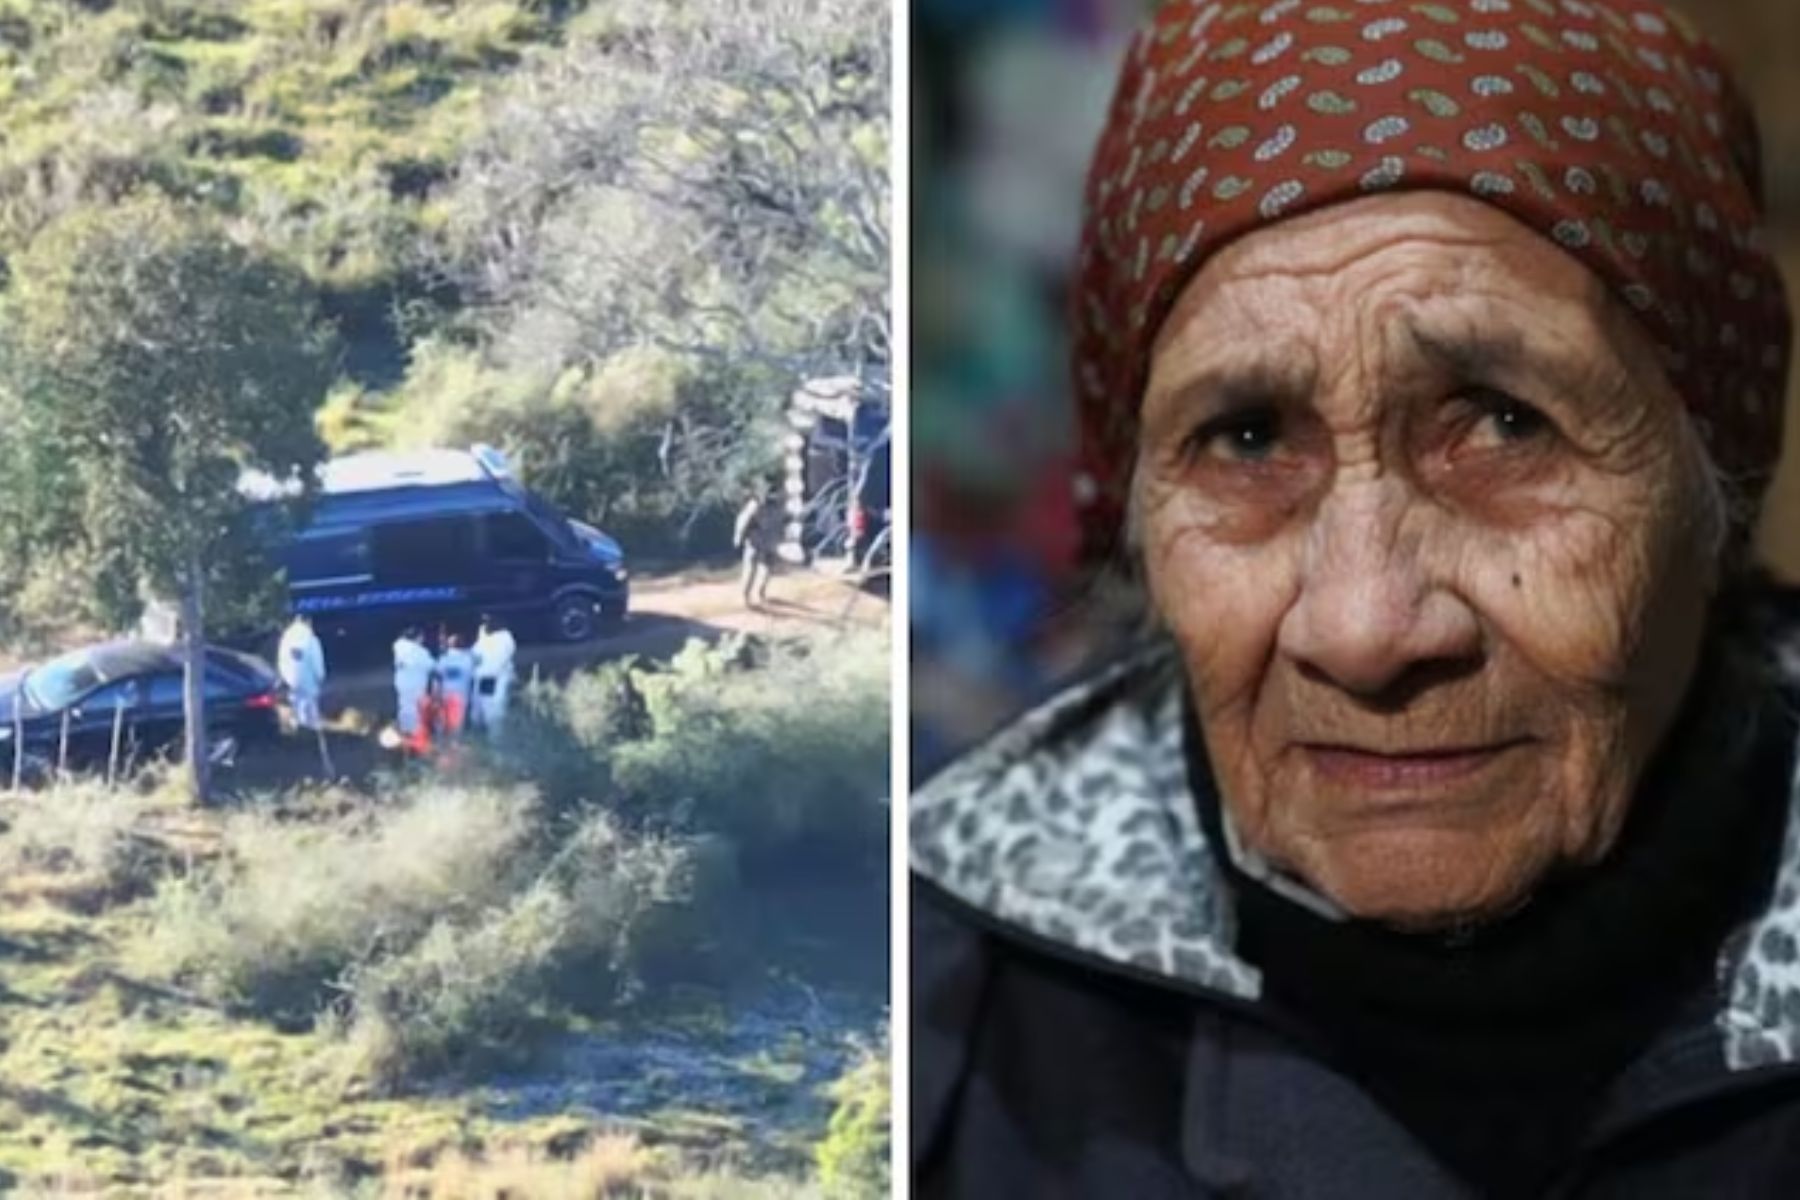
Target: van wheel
[{"x": 575, "y": 619}]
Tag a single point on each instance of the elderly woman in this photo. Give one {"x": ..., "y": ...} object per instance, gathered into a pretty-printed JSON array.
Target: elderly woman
[{"x": 1439, "y": 842}]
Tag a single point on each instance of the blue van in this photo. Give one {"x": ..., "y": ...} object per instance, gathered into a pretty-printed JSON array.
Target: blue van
[{"x": 436, "y": 537}]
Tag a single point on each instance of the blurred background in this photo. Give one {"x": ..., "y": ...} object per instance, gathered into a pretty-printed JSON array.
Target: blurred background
[{"x": 1008, "y": 97}]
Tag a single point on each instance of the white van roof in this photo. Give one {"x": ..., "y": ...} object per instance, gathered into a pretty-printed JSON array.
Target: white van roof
[{"x": 380, "y": 469}]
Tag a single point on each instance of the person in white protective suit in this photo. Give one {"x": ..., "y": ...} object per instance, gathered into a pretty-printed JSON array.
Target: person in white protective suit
[
  {"x": 495, "y": 650},
  {"x": 301, "y": 664},
  {"x": 456, "y": 676},
  {"x": 413, "y": 665}
]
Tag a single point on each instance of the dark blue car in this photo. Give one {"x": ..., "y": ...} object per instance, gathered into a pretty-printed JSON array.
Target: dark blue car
[{"x": 131, "y": 690}]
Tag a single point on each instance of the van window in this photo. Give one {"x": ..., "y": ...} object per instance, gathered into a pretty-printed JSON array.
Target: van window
[
  {"x": 438, "y": 550},
  {"x": 513, "y": 537},
  {"x": 340, "y": 555},
  {"x": 554, "y": 521}
]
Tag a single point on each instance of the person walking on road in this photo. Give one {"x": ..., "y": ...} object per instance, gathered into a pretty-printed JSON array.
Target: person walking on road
[
  {"x": 302, "y": 667},
  {"x": 495, "y": 651},
  {"x": 456, "y": 679},
  {"x": 413, "y": 666},
  {"x": 756, "y": 535}
]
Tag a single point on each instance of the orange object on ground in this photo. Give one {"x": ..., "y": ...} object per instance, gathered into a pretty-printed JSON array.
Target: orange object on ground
[
  {"x": 430, "y": 714},
  {"x": 455, "y": 711}
]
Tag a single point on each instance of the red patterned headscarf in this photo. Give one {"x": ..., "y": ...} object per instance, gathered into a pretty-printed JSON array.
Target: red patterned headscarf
[{"x": 1610, "y": 128}]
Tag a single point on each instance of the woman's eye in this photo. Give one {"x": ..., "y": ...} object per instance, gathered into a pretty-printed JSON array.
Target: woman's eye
[
  {"x": 1249, "y": 436},
  {"x": 1504, "y": 420}
]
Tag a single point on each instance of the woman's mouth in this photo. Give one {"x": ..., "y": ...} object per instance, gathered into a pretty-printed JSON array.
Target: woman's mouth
[{"x": 1402, "y": 770}]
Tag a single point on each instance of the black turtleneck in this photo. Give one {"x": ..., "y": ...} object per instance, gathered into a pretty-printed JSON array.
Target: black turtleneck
[{"x": 1494, "y": 1046}]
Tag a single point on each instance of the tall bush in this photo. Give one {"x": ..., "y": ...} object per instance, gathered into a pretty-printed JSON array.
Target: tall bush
[
  {"x": 778, "y": 748},
  {"x": 852, "y": 1158},
  {"x": 290, "y": 906},
  {"x": 431, "y": 933},
  {"x": 783, "y": 755}
]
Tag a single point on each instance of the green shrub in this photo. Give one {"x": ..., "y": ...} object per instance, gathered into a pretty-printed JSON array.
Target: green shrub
[
  {"x": 438, "y": 930},
  {"x": 793, "y": 752},
  {"x": 591, "y": 437},
  {"x": 635, "y": 900},
  {"x": 475, "y": 987},
  {"x": 852, "y": 1159},
  {"x": 291, "y": 906},
  {"x": 776, "y": 748},
  {"x": 463, "y": 989},
  {"x": 543, "y": 747},
  {"x": 603, "y": 707}
]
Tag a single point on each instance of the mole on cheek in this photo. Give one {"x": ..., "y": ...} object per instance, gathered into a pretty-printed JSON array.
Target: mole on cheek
[{"x": 1515, "y": 579}]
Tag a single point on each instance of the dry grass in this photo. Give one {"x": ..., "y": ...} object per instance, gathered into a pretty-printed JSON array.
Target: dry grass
[
  {"x": 615, "y": 1166},
  {"x": 80, "y": 846},
  {"x": 160, "y": 1030},
  {"x": 608, "y": 1166},
  {"x": 295, "y": 902}
]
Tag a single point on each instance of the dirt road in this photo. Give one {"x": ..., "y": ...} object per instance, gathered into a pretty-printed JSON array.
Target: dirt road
[
  {"x": 666, "y": 612},
  {"x": 797, "y": 599}
]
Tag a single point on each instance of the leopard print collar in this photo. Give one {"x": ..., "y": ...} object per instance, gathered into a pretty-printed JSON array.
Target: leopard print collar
[
  {"x": 1072, "y": 824},
  {"x": 1075, "y": 825}
]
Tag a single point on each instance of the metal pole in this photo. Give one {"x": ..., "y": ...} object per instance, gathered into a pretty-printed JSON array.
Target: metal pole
[
  {"x": 62, "y": 746},
  {"x": 18, "y": 777},
  {"x": 118, "y": 731},
  {"x": 325, "y": 754}
]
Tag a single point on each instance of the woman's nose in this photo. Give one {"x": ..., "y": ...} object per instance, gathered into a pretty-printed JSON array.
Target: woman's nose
[{"x": 1369, "y": 611}]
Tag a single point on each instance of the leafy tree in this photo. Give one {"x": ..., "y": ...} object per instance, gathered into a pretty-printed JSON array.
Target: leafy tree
[
  {"x": 600, "y": 441},
  {"x": 708, "y": 178},
  {"x": 153, "y": 361}
]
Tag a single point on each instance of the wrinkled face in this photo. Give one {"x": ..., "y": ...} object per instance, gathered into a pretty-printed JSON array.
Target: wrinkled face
[{"x": 1435, "y": 541}]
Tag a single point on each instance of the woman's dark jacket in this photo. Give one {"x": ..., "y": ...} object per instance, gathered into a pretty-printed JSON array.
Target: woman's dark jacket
[{"x": 1104, "y": 1005}]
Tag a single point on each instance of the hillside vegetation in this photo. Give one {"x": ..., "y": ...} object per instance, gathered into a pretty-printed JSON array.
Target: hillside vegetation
[
  {"x": 458, "y": 977},
  {"x": 326, "y": 127},
  {"x": 631, "y": 945},
  {"x": 609, "y": 238}
]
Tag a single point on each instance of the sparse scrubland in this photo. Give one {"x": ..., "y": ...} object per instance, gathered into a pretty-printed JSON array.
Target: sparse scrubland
[
  {"x": 627, "y": 951},
  {"x": 610, "y": 239},
  {"x": 754, "y": 743},
  {"x": 372, "y": 990}
]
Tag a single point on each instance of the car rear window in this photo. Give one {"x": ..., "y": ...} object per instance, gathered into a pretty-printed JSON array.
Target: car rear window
[{"x": 241, "y": 668}]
